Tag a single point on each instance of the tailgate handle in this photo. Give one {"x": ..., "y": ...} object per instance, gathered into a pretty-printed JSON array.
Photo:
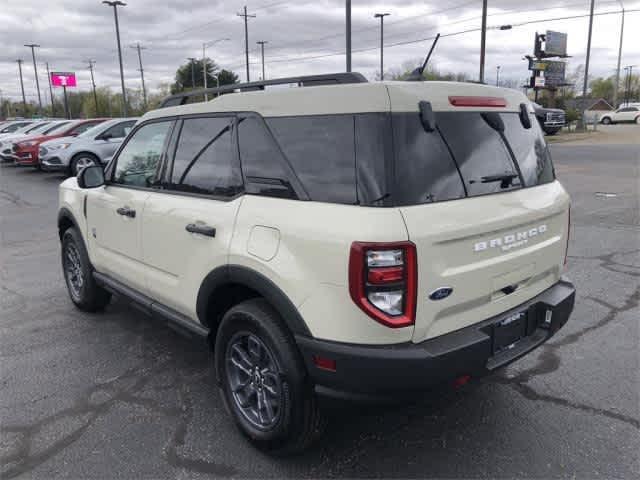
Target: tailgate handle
[
  {"x": 509, "y": 289},
  {"x": 205, "y": 230}
]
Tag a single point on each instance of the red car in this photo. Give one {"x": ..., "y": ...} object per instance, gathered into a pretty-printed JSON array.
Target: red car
[{"x": 26, "y": 151}]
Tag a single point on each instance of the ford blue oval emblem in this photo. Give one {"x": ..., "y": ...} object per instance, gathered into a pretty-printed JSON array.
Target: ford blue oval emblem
[{"x": 441, "y": 293}]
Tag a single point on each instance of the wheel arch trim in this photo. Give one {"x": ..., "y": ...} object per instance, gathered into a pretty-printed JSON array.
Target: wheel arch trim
[{"x": 247, "y": 277}]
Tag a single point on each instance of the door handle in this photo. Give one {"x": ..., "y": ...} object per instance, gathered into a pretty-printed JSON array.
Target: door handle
[
  {"x": 127, "y": 212},
  {"x": 205, "y": 230}
]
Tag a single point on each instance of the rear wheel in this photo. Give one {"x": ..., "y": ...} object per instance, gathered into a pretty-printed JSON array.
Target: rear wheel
[
  {"x": 263, "y": 380},
  {"x": 81, "y": 161},
  {"x": 85, "y": 293},
  {"x": 638, "y": 120},
  {"x": 606, "y": 121}
]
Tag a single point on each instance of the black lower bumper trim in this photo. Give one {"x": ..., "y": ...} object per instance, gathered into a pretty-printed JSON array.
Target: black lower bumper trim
[{"x": 367, "y": 372}]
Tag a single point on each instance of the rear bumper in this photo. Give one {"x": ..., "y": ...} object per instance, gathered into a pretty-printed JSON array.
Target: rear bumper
[{"x": 374, "y": 373}]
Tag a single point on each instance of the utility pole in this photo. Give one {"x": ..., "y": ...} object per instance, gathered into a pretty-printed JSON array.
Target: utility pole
[
  {"x": 193, "y": 71},
  {"x": 33, "y": 47},
  {"x": 115, "y": 4},
  {"x": 348, "y": 32},
  {"x": 483, "y": 39},
  {"x": 246, "y": 37},
  {"x": 24, "y": 99},
  {"x": 617, "y": 84},
  {"x": 381, "y": 17},
  {"x": 205, "y": 63},
  {"x": 627, "y": 87},
  {"x": 261, "y": 43},
  {"x": 498, "y": 76},
  {"x": 91, "y": 63},
  {"x": 586, "y": 66},
  {"x": 144, "y": 89},
  {"x": 53, "y": 108}
]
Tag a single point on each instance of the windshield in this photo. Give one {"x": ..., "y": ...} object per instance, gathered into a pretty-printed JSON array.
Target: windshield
[
  {"x": 36, "y": 128},
  {"x": 94, "y": 130},
  {"x": 51, "y": 128},
  {"x": 15, "y": 127},
  {"x": 59, "y": 128}
]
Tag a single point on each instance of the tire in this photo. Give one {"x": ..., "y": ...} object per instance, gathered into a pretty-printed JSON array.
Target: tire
[
  {"x": 606, "y": 121},
  {"x": 638, "y": 120},
  {"x": 80, "y": 161},
  {"x": 551, "y": 131},
  {"x": 83, "y": 290},
  {"x": 253, "y": 334}
]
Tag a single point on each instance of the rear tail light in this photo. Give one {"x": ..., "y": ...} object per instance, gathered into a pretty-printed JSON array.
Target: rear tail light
[
  {"x": 461, "y": 101},
  {"x": 383, "y": 281},
  {"x": 566, "y": 250}
]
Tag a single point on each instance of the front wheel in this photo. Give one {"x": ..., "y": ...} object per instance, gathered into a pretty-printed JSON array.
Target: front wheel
[
  {"x": 81, "y": 161},
  {"x": 606, "y": 121},
  {"x": 85, "y": 293},
  {"x": 551, "y": 131},
  {"x": 263, "y": 381}
]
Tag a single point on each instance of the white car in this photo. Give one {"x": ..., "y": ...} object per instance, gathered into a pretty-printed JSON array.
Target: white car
[
  {"x": 351, "y": 240},
  {"x": 12, "y": 127},
  {"x": 623, "y": 114},
  {"x": 92, "y": 147}
]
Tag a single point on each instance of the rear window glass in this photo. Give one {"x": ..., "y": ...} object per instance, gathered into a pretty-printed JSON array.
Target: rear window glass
[
  {"x": 321, "y": 150},
  {"x": 530, "y": 150},
  {"x": 424, "y": 169},
  {"x": 479, "y": 151}
]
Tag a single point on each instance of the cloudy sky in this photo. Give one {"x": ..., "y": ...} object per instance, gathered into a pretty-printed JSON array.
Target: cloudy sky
[{"x": 304, "y": 37}]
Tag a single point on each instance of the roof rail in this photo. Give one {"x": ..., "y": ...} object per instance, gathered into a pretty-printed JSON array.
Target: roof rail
[{"x": 303, "y": 81}]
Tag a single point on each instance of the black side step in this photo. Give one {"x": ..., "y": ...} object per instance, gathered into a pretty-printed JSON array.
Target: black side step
[{"x": 173, "y": 319}]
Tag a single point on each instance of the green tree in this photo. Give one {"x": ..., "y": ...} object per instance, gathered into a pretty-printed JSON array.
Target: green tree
[
  {"x": 603, "y": 88},
  {"x": 185, "y": 81}
]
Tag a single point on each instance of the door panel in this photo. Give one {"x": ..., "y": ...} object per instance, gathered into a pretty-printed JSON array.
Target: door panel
[
  {"x": 114, "y": 237},
  {"x": 176, "y": 260}
]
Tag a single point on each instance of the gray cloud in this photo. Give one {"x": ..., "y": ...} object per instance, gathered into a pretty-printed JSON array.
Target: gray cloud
[{"x": 71, "y": 31}]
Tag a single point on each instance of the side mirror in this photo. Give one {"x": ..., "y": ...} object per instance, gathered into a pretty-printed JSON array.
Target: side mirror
[
  {"x": 427, "y": 117},
  {"x": 91, "y": 177}
]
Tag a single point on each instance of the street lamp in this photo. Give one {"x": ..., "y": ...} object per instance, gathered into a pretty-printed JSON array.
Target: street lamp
[
  {"x": 204, "y": 61},
  {"x": 115, "y": 4},
  {"x": 381, "y": 17},
  {"x": 33, "y": 47}
]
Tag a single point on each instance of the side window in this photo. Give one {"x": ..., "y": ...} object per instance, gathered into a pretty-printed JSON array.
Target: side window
[
  {"x": 205, "y": 160},
  {"x": 261, "y": 160},
  {"x": 138, "y": 161},
  {"x": 321, "y": 150}
]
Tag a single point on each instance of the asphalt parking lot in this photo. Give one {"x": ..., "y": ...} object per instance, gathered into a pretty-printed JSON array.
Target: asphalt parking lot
[{"x": 118, "y": 395}]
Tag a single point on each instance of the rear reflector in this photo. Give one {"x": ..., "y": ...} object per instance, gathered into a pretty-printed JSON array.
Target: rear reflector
[
  {"x": 461, "y": 381},
  {"x": 324, "y": 363},
  {"x": 460, "y": 101},
  {"x": 566, "y": 250}
]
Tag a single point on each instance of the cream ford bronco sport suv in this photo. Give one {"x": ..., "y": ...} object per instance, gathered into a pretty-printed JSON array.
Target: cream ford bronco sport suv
[{"x": 343, "y": 239}]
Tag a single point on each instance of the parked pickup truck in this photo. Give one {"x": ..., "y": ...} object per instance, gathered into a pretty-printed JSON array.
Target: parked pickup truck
[{"x": 551, "y": 119}]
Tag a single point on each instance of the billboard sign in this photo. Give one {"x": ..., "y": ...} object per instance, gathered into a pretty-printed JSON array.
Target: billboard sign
[
  {"x": 555, "y": 44},
  {"x": 554, "y": 73},
  {"x": 63, "y": 79}
]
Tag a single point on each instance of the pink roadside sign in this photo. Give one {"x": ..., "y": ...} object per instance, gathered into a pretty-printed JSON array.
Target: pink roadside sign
[{"x": 63, "y": 79}]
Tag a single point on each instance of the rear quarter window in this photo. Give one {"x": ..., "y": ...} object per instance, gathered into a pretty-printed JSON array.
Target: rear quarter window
[{"x": 321, "y": 150}]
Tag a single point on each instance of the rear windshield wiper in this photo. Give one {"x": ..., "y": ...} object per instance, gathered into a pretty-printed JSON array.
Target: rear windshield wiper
[{"x": 505, "y": 179}]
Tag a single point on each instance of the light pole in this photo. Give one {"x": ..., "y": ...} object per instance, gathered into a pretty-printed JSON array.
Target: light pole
[
  {"x": 139, "y": 48},
  {"x": 483, "y": 39},
  {"x": 617, "y": 84},
  {"x": 246, "y": 17},
  {"x": 115, "y": 4},
  {"x": 24, "y": 99},
  {"x": 498, "y": 76},
  {"x": 347, "y": 12},
  {"x": 33, "y": 47},
  {"x": 381, "y": 17},
  {"x": 586, "y": 66},
  {"x": 193, "y": 72},
  {"x": 205, "y": 63},
  {"x": 262, "y": 43},
  {"x": 91, "y": 63},
  {"x": 53, "y": 108}
]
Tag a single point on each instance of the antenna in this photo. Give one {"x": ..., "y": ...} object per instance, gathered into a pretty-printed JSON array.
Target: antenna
[{"x": 416, "y": 75}]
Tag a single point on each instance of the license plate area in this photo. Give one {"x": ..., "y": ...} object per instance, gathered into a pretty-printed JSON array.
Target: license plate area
[{"x": 508, "y": 331}]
